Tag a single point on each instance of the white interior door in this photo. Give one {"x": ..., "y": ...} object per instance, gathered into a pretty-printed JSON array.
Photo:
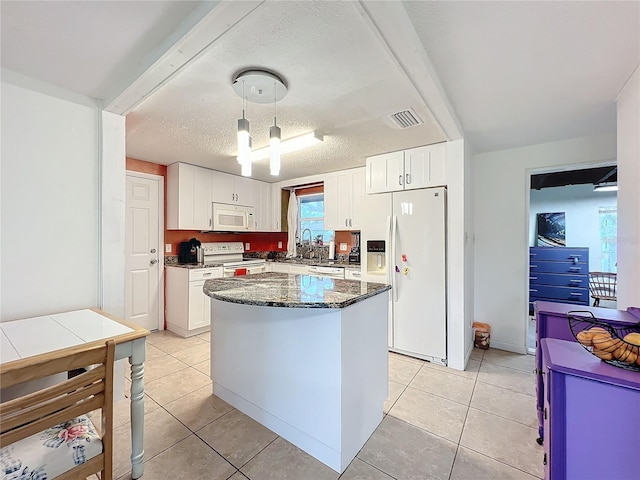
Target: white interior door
[{"x": 144, "y": 295}]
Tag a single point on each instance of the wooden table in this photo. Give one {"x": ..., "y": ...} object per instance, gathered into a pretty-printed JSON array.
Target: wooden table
[{"x": 37, "y": 335}]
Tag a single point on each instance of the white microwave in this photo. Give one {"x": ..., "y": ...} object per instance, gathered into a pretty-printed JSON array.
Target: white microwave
[{"x": 233, "y": 218}]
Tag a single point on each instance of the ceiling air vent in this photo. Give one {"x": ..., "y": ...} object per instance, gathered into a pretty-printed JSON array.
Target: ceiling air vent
[{"x": 405, "y": 118}]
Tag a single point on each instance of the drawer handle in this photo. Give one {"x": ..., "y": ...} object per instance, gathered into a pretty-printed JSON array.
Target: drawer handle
[
  {"x": 533, "y": 266},
  {"x": 206, "y": 274},
  {"x": 533, "y": 278},
  {"x": 532, "y": 290},
  {"x": 573, "y": 294},
  {"x": 574, "y": 269},
  {"x": 575, "y": 281}
]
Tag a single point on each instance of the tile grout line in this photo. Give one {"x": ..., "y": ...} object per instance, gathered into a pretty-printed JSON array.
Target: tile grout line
[{"x": 455, "y": 456}]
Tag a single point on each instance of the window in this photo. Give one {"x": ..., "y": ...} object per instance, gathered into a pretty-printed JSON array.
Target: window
[
  {"x": 311, "y": 216},
  {"x": 608, "y": 238}
]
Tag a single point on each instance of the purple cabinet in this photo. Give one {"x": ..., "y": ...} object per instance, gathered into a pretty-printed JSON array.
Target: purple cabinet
[
  {"x": 551, "y": 322},
  {"x": 591, "y": 414}
]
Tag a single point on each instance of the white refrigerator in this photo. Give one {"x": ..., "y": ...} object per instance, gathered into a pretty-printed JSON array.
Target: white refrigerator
[{"x": 412, "y": 225}]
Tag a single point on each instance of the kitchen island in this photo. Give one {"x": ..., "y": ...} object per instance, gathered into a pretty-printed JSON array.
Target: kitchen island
[{"x": 305, "y": 356}]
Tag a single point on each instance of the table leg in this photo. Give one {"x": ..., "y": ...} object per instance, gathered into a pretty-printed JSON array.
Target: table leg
[{"x": 137, "y": 408}]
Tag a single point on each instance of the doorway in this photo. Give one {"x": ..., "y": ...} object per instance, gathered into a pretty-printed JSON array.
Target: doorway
[
  {"x": 144, "y": 265},
  {"x": 586, "y": 217}
]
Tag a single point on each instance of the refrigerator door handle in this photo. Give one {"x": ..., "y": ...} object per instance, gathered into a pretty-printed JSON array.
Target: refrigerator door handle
[{"x": 392, "y": 270}]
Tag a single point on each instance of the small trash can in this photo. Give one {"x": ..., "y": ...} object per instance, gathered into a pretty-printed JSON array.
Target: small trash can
[{"x": 481, "y": 335}]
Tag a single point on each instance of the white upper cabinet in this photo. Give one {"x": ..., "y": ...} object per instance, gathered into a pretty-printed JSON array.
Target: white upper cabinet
[
  {"x": 191, "y": 190},
  {"x": 419, "y": 167},
  {"x": 385, "y": 172},
  {"x": 342, "y": 199},
  {"x": 188, "y": 197},
  {"x": 232, "y": 189}
]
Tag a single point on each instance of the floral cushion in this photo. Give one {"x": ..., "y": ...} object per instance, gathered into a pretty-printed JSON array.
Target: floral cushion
[{"x": 50, "y": 453}]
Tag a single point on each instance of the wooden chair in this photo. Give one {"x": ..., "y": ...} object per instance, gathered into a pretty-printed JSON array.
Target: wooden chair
[
  {"x": 47, "y": 434},
  {"x": 602, "y": 286}
]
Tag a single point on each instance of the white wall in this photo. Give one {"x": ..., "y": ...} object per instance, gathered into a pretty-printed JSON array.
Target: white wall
[
  {"x": 580, "y": 205},
  {"x": 49, "y": 204},
  {"x": 629, "y": 193},
  {"x": 501, "y": 182}
]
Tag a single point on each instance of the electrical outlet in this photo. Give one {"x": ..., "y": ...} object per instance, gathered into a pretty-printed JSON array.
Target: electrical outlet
[
  {"x": 247, "y": 246},
  {"x": 343, "y": 247},
  {"x": 167, "y": 248},
  {"x": 279, "y": 244}
]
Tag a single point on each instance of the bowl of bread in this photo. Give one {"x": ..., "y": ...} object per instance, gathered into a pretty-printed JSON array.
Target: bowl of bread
[{"x": 614, "y": 344}]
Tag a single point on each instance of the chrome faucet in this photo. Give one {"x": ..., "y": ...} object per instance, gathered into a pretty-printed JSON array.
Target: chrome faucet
[
  {"x": 310, "y": 240},
  {"x": 302, "y": 236}
]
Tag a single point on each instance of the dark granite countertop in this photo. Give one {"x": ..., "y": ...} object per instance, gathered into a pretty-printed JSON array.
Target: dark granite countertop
[{"x": 291, "y": 290}]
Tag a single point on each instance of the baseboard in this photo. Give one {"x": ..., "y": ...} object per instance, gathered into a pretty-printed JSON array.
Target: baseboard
[{"x": 509, "y": 347}]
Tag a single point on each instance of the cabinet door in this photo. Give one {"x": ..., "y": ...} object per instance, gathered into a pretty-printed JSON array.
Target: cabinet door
[
  {"x": 202, "y": 211},
  {"x": 437, "y": 165},
  {"x": 357, "y": 195},
  {"x": 280, "y": 267},
  {"x": 247, "y": 191},
  {"x": 276, "y": 207},
  {"x": 199, "y": 306},
  {"x": 385, "y": 173},
  {"x": 301, "y": 269},
  {"x": 345, "y": 195},
  {"x": 188, "y": 197},
  {"x": 223, "y": 187},
  {"x": 333, "y": 216},
  {"x": 416, "y": 168},
  {"x": 263, "y": 208},
  {"x": 425, "y": 166}
]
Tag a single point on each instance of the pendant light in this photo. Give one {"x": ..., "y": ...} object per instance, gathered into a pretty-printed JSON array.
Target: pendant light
[
  {"x": 275, "y": 136},
  {"x": 263, "y": 86},
  {"x": 244, "y": 139}
]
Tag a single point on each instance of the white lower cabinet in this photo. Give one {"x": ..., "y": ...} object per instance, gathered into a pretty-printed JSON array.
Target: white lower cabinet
[
  {"x": 352, "y": 274},
  {"x": 279, "y": 267},
  {"x": 188, "y": 308},
  {"x": 298, "y": 268}
]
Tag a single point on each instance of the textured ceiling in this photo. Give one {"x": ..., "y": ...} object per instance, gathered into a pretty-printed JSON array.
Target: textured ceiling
[
  {"x": 341, "y": 83},
  {"x": 512, "y": 73}
]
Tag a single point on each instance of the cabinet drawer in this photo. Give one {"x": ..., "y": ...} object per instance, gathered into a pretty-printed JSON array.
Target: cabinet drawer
[
  {"x": 559, "y": 279},
  {"x": 559, "y": 254},
  {"x": 565, "y": 294},
  {"x": 557, "y": 267},
  {"x": 205, "y": 273}
]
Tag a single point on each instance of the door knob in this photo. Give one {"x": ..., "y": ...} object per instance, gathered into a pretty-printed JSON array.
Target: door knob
[
  {"x": 153, "y": 250},
  {"x": 153, "y": 261}
]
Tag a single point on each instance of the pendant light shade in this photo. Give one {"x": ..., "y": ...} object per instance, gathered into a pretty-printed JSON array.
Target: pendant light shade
[
  {"x": 275, "y": 136},
  {"x": 244, "y": 138},
  {"x": 246, "y": 161},
  {"x": 244, "y": 148}
]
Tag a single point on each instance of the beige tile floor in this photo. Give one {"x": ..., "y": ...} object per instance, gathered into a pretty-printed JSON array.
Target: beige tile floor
[{"x": 438, "y": 424}]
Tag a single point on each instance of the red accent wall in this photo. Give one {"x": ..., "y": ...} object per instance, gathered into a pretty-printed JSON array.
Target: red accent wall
[{"x": 258, "y": 241}]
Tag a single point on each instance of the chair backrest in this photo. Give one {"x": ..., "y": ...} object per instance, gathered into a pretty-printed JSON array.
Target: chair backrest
[
  {"x": 92, "y": 390},
  {"x": 603, "y": 285}
]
